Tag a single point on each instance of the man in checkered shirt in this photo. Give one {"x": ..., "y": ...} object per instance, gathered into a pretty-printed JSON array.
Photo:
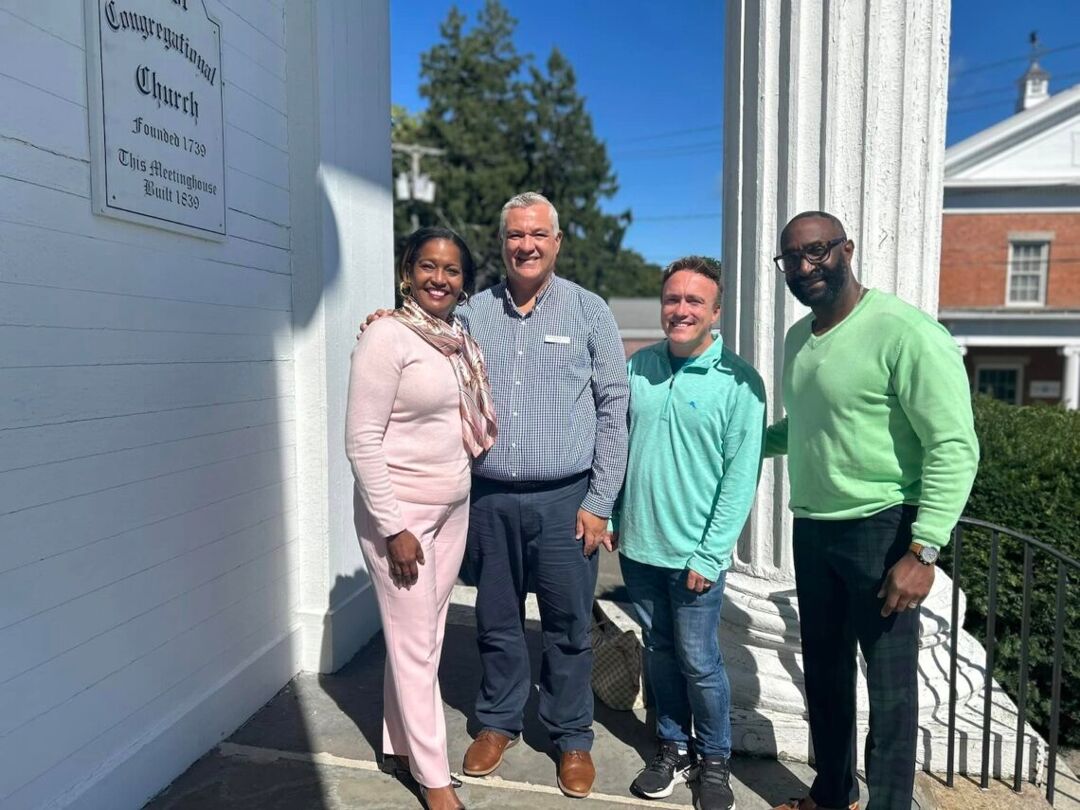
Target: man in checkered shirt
[{"x": 542, "y": 495}]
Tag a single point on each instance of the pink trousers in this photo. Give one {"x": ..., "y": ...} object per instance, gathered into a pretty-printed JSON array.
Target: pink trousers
[{"x": 414, "y": 621}]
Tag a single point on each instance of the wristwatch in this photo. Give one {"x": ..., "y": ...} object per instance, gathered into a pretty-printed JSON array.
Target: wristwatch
[{"x": 927, "y": 555}]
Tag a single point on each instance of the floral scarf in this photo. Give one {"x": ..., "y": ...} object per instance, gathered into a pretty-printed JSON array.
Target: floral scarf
[{"x": 478, "y": 427}]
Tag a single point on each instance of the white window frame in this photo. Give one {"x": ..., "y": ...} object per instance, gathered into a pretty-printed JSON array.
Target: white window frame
[
  {"x": 1016, "y": 366},
  {"x": 1042, "y": 275}
]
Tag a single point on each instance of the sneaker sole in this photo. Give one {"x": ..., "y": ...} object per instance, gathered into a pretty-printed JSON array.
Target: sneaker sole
[
  {"x": 664, "y": 792},
  {"x": 494, "y": 767},
  {"x": 697, "y": 805}
]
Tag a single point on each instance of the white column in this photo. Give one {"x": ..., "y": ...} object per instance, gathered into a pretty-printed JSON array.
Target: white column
[
  {"x": 1070, "y": 385},
  {"x": 342, "y": 247},
  {"x": 840, "y": 107}
]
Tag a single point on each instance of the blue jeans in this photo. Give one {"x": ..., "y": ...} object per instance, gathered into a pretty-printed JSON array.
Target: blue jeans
[{"x": 684, "y": 668}]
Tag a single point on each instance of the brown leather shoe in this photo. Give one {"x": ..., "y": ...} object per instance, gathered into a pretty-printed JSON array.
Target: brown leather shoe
[
  {"x": 485, "y": 754},
  {"x": 576, "y": 774}
]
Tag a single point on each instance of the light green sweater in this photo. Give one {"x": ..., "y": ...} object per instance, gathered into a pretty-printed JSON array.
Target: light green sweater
[
  {"x": 695, "y": 458},
  {"x": 878, "y": 414}
]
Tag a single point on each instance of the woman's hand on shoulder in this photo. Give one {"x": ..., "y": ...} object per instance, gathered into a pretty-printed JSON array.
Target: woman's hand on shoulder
[{"x": 403, "y": 555}]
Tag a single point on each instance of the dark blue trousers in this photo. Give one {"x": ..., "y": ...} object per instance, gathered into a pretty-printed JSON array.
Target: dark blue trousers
[
  {"x": 522, "y": 538},
  {"x": 839, "y": 568}
]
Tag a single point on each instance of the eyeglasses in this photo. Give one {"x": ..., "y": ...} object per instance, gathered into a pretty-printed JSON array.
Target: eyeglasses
[{"x": 815, "y": 254}]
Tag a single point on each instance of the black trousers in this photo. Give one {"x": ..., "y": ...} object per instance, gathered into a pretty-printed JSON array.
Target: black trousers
[
  {"x": 839, "y": 568},
  {"x": 522, "y": 538}
]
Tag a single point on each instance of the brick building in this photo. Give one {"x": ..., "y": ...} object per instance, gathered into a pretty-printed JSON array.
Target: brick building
[{"x": 1010, "y": 253}]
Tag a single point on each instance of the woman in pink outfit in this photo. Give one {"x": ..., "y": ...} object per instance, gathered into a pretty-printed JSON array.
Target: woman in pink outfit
[{"x": 419, "y": 410}]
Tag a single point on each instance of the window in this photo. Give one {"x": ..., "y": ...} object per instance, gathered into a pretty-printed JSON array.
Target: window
[
  {"x": 1027, "y": 273},
  {"x": 1000, "y": 380}
]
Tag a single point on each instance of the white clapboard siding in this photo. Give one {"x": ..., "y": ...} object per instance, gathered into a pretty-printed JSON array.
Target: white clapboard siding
[
  {"x": 258, "y": 159},
  {"x": 237, "y": 607},
  {"x": 260, "y": 63},
  {"x": 240, "y": 253},
  {"x": 248, "y": 39},
  {"x": 149, "y": 540},
  {"x": 37, "y": 255},
  {"x": 195, "y": 598},
  {"x": 242, "y": 225},
  {"x": 41, "y": 532},
  {"x": 253, "y": 195},
  {"x": 27, "y": 39},
  {"x": 47, "y": 444},
  {"x": 24, "y": 46},
  {"x": 55, "y": 17},
  {"x": 45, "y": 121},
  {"x": 26, "y": 203},
  {"x": 57, "y": 347},
  {"x": 267, "y": 19},
  {"x": 239, "y": 69},
  {"x": 161, "y": 589},
  {"x": 31, "y": 165},
  {"x": 45, "y": 396},
  {"x": 95, "y": 567},
  {"x": 204, "y": 703},
  {"x": 23, "y": 304},
  {"x": 249, "y": 113},
  {"x": 40, "y": 485}
]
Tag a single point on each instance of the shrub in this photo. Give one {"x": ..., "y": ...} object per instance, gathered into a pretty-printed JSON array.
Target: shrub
[{"x": 1029, "y": 481}]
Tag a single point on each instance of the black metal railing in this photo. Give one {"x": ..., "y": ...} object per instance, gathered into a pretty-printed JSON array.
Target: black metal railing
[{"x": 1065, "y": 565}]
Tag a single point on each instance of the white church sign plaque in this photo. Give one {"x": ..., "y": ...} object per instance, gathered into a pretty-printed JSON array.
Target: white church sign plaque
[{"x": 156, "y": 112}]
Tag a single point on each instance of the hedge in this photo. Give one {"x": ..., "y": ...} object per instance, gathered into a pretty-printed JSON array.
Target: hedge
[{"x": 1029, "y": 481}]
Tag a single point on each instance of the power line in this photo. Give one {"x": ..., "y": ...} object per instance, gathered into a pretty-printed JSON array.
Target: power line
[
  {"x": 675, "y": 217},
  {"x": 671, "y": 151},
  {"x": 669, "y": 134},
  {"x": 1002, "y": 92},
  {"x": 1012, "y": 59}
]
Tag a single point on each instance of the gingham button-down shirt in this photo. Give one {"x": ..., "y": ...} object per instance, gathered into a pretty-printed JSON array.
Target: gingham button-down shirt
[{"x": 558, "y": 377}]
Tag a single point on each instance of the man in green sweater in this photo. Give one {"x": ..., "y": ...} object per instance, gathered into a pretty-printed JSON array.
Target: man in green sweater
[
  {"x": 881, "y": 453},
  {"x": 697, "y": 419}
]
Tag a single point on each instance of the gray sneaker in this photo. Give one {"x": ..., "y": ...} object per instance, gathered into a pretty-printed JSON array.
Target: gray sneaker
[
  {"x": 657, "y": 780},
  {"x": 714, "y": 785}
]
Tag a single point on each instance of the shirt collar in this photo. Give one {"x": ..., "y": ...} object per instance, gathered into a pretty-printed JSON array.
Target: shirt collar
[
  {"x": 706, "y": 357},
  {"x": 541, "y": 296}
]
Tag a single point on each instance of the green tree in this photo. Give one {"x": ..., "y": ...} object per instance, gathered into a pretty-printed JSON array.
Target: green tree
[{"x": 507, "y": 126}]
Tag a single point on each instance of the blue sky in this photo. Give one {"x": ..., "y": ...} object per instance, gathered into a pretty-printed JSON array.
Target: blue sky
[{"x": 653, "y": 83}]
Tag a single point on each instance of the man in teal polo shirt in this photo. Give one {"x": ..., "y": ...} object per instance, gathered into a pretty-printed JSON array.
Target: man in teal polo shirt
[{"x": 696, "y": 418}]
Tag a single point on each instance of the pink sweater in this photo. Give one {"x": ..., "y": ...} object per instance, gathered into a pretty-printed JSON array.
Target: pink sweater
[{"x": 403, "y": 424}]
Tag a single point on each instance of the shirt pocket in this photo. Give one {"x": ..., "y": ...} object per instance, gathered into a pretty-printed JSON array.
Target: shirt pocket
[{"x": 555, "y": 357}]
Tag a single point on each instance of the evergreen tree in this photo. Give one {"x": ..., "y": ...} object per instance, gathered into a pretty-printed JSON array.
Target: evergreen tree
[{"x": 507, "y": 126}]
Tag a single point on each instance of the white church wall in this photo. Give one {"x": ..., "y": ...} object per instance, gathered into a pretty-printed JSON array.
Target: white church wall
[{"x": 149, "y": 535}]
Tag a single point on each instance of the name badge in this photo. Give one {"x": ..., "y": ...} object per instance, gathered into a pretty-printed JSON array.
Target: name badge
[{"x": 563, "y": 339}]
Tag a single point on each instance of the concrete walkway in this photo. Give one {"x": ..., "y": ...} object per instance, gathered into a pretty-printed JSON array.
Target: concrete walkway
[{"x": 313, "y": 747}]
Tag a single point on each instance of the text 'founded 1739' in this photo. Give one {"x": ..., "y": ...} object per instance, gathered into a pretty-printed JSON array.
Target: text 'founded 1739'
[{"x": 156, "y": 114}]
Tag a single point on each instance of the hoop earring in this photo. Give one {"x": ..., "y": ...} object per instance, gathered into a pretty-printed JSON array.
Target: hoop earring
[
  {"x": 463, "y": 297},
  {"x": 405, "y": 288}
]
